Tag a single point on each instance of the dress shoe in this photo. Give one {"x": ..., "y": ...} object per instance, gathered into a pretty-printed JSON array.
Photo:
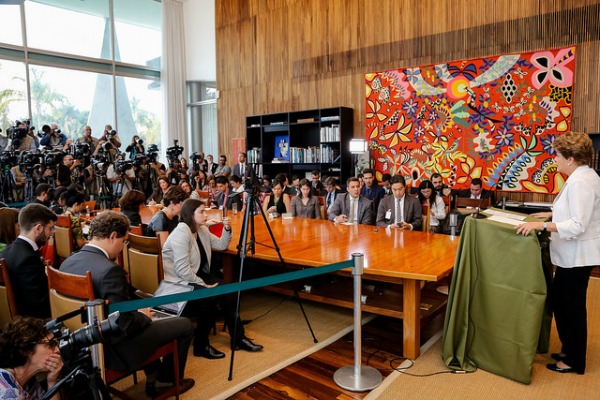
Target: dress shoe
[
  {"x": 246, "y": 344},
  {"x": 209, "y": 352},
  {"x": 558, "y": 356},
  {"x": 155, "y": 389},
  {"x": 556, "y": 368}
]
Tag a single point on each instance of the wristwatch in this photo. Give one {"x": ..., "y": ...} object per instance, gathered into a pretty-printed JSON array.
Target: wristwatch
[{"x": 545, "y": 226}]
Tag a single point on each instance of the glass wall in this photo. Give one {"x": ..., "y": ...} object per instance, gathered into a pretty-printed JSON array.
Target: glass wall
[
  {"x": 202, "y": 117},
  {"x": 65, "y": 71}
]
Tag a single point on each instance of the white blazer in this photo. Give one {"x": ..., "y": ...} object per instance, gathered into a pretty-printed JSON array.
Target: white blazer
[
  {"x": 181, "y": 256},
  {"x": 576, "y": 213}
]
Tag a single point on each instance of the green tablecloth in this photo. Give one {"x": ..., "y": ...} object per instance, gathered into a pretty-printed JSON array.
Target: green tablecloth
[{"x": 496, "y": 302}]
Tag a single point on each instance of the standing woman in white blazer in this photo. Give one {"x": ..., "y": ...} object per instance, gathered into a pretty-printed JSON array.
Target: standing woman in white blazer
[{"x": 574, "y": 247}]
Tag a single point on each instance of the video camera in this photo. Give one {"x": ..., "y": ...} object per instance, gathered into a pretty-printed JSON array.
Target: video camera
[
  {"x": 18, "y": 131},
  {"x": 29, "y": 161},
  {"x": 174, "y": 152},
  {"x": 74, "y": 346},
  {"x": 9, "y": 158},
  {"x": 121, "y": 166}
]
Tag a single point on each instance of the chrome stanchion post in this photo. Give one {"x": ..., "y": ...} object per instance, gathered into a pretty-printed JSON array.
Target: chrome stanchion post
[
  {"x": 95, "y": 310},
  {"x": 355, "y": 377}
]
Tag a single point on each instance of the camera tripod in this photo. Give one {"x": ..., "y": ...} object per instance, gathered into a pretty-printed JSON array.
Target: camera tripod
[
  {"x": 7, "y": 185},
  {"x": 104, "y": 194},
  {"x": 248, "y": 244}
]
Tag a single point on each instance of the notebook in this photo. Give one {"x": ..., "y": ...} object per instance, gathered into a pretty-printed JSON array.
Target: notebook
[{"x": 172, "y": 309}]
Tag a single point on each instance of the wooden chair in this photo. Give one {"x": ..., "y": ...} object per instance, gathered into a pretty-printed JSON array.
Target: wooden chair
[
  {"x": 426, "y": 217},
  {"x": 322, "y": 207},
  {"x": 63, "y": 238},
  {"x": 91, "y": 204},
  {"x": 162, "y": 237},
  {"x": 8, "y": 305},
  {"x": 136, "y": 230},
  {"x": 69, "y": 292},
  {"x": 144, "y": 263},
  {"x": 146, "y": 213}
]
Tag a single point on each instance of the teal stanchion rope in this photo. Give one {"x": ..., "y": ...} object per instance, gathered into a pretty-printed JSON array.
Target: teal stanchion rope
[{"x": 228, "y": 288}]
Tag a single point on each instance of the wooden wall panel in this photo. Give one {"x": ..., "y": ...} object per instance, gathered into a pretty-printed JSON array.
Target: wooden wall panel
[{"x": 282, "y": 55}]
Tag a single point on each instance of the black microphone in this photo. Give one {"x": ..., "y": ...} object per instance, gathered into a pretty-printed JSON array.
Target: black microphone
[{"x": 477, "y": 215}]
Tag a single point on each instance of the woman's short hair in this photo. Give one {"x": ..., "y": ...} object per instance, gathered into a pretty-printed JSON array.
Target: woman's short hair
[
  {"x": 278, "y": 182},
  {"x": 18, "y": 340},
  {"x": 575, "y": 144},
  {"x": 9, "y": 217},
  {"x": 186, "y": 214},
  {"x": 131, "y": 200},
  {"x": 162, "y": 178},
  {"x": 305, "y": 182},
  {"x": 175, "y": 195}
]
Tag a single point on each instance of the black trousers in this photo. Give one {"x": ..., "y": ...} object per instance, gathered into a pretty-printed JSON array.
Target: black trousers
[
  {"x": 207, "y": 310},
  {"x": 568, "y": 299}
]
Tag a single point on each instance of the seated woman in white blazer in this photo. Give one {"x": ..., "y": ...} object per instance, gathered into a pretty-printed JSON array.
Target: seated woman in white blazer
[{"x": 187, "y": 259}]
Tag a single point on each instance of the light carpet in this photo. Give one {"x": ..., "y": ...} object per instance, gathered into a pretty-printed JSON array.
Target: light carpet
[
  {"x": 284, "y": 334},
  {"x": 481, "y": 384}
]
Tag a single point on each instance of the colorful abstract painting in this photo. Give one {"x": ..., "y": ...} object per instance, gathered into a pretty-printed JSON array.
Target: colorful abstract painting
[{"x": 492, "y": 118}]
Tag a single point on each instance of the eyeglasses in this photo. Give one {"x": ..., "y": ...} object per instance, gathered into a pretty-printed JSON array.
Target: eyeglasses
[{"x": 50, "y": 342}]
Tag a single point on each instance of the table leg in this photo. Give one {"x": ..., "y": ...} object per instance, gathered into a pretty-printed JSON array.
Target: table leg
[{"x": 411, "y": 320}]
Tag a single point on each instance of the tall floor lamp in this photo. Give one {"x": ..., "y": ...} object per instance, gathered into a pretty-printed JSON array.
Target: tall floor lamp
[{"x": 357, "y": 147}]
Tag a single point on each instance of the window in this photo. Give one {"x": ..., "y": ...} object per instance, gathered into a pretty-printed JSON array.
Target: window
[
  {"x": 138, "y": 21},
  {"x": 202, "y": 117},
  {"x": 10, "y": 31},
  {"x": 145, "y": 107},
  {"x": 13, "y": 93}
]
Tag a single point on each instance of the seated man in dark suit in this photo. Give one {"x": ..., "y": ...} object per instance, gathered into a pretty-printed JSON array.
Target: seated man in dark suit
[
  {"x": 400, "y": 210},
  {"x": 141, "y": 335},
  {"x": 41, "y": 194},
  {"x": 476, "y": 191},
  {"x": 371, "y": 190},
  {"x": 351, "y": 207},
  {"x": 25, "y": 264},
  {"x": 224, "y": 199}
]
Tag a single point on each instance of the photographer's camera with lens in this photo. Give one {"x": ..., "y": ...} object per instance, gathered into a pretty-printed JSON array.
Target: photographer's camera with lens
[
  {"x": 18, "y": 132},
  {"x": 9, "y": 158},
  {"x": 174, "y": 152},
  {"x": 121, "y": 166},
  {"x": 29, "y": 161}
]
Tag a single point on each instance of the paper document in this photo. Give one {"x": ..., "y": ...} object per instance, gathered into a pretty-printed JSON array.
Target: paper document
[
  {"x": 504, "y": 214},
  {"x": 537, "y": 204},
  {"x": 504, "y": 220}
]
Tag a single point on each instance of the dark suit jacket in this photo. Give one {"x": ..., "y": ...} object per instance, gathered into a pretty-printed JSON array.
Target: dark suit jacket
[
  {"x": 412, "y": 211},
  {"x": 341, "y": 205},
  {"x": 237, "y": 170},
  {"x": 28, "y": 277},
  {"x": 466, "y": 193},
  {"x": 230, "y": 200},
  {"x": 375, "y": 193}
]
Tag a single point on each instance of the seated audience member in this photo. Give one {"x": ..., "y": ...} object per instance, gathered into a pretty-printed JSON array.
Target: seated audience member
[
  {"x": 332, "y": 192},
  {"x": 400, "y": 211},
  {"x": 167, "y": 218},
  {"x": 24, "y": 263},
  {"x": 75, "y": 204},
  {"x": 287, "y": 188},
  {"x": 371, "y": 190},
  {"x": 184, "y": 184},
  {"x": 130, "y": 204},
  {"x": 267, "y": 183},
  {"x": 57, "y": 203},
  {"x": 237, "y": 185},
  {"x": 318, "y": 188},
  {"x": 187, "y": 255},
  {"x": 295, "y": 188},
  {"x": 41, "y": 194},
  {"x": 108, "y": 233},
  {"x": 438, "y": 185},
  {"x": 386, "y": 185},
  {"x": 200, "y": 181},
  {"x": 213, "y": 189},
  {"x": 223, "y": 169},
  {"x": 162, "y": 185},
  {"x": 476, "y": 191},
  {"x": 277, "y": 202},
  {"x": 351, "y": 207},
  {"x": 9, "y": 227},
  {"x": 28, "y": 350},
  {"x": 305, "y": 205},
  {"x": 224, "y": 199},
  {"x": 437, "y": 208}
]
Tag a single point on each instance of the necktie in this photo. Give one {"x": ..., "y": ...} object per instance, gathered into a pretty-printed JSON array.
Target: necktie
[
  {"x": 328, "y": 199},
  {"x": 398, "y": 212},
  {"x": 352, "y": 210}
]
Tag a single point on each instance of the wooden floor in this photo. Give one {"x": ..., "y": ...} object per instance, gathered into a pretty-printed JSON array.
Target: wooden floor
[{"x": 312, "y": 377}]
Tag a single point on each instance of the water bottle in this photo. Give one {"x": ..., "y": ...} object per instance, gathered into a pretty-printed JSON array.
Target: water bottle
[{"x": 87, "y": 211}]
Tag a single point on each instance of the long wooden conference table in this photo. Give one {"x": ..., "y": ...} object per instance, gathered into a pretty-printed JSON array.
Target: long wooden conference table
[{"x": 391, "y": 257}]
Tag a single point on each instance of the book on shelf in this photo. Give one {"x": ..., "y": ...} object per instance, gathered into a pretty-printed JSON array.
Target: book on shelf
[
  {"x": 254, "y": 126},
  {"x": 330, "y": 133},
  {"x": 305, "y": 120},
  {"x": 331, "y": 118},
  {"x": 277, "y": 123},
  {"x": 279, "y": 161}
]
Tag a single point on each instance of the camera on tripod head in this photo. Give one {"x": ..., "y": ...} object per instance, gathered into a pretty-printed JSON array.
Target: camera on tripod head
[
  {"x": 99, "y": 162},
  {"x": 9, "y": 158},
  {"x": 73, "y": 346},
  {"x": 29, "y": 161},
  {"x": 109, "y": 135},
  {"x": 139, "y": 160},
  {"x": 121, "y": 166},
  {"x": 81, "y": 152},
  {"x": 18, "y": 131},
  {"x": 174, "y": 152}
]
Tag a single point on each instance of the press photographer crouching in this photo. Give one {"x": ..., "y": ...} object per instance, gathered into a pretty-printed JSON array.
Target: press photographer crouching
[
  {"x": 108, "y": 233},
  {"x": 27, "y": 349}
]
